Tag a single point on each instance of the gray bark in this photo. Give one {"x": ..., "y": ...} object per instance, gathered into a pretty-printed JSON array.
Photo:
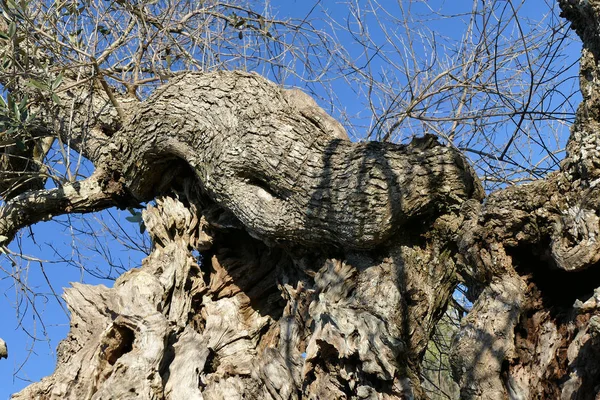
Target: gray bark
[
  {"x": 325, "y": 264},
  {"x": 534, "y": 325},
  {"x": 3, "y": 349},
  {"x": 238, "y": 324},
  {"x": 290, "y": 300},
  {"x": 282, "y": 168}
]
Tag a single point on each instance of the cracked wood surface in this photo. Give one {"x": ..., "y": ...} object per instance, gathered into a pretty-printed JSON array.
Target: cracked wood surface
[
  {"x": 283, "y": 168},
  {"x": 389, "y": 231},
  {"x": 283, "y": 171}
]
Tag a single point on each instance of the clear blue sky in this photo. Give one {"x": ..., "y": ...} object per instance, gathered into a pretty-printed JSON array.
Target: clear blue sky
[{"x": 31, "y": 360}]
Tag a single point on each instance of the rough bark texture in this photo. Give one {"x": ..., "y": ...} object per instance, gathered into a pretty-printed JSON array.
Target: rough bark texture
[
  {"x": 532, "y": 332},
  {"x": 251, "y": 321},
  {"x": 282, "y": 167},
  {"x": 324, "y": 265},
  {"x": 3, "y": 349}
]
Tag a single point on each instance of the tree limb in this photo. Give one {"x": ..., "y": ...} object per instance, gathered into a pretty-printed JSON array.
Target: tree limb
[{"x": 97, "y": 192}]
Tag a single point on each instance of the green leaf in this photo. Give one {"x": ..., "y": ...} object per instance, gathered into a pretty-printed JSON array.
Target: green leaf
[
  {"x": 36, "y": 84},
  {"x": 23, "y": 105},
  {"x": 30, "y": 116},
  {"x": 15, "y": 109},
  {"x": 24, "y": 4},
  {"x": 134, "y": 218},
  {"x": 55, "y": 99},
  {"x": 11, "y": 4},
  {"x": 24, "y": 115},
  {"x": 12, "y": 29},
  {"x": 103, "y": 30},
  {"x": 20, "y": 145},
  {"x": 11, "y": 102},
  {"x": 56, "y": 83}
]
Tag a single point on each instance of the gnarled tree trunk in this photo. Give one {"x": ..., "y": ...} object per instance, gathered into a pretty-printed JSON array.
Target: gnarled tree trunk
[
  {"x": 324, "y": 264},
  {"x": 291, "y": 263}
]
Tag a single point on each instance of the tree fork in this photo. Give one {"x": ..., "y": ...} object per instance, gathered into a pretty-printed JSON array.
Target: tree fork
[
  {"x": 338, "y": 296},
  {"x": 341, "y": 260}
]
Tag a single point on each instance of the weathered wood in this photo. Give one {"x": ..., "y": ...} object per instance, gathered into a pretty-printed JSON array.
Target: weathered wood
[
  {"x": 338, "y": 317},
  {"x": 251, "y": 320},
  {"x": 281, "y": 166},
  {"x": 325, "y": 263},
  {"x": 537, "y": 246},
  {"x": 97, "y": 192},
  {"x": 3, "y": 349}
]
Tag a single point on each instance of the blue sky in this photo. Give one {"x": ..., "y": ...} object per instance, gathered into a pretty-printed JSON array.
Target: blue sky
[{"x": 29, "y": 359}]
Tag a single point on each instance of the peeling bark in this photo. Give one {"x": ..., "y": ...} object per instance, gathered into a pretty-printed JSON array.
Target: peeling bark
[
  {"x": 290, "y": 300},
  {"x": 324, "y": 264},
  {"x": 251, "y": 320},
  {"x": 537, "y": 246}
]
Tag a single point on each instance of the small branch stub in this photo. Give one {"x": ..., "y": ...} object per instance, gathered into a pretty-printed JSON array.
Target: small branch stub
[{"x": 3, "y": 349}]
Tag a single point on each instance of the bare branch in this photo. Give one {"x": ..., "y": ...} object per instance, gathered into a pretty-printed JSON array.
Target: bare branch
[{"x": 97, "y": 192}]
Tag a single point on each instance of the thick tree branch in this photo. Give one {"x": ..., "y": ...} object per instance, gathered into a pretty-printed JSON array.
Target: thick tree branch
[
  {"x": 97, "y": 192},
  {"x": 358, "y": 321},
  {"x": 583, "y": 148},
  {"x": 285, "y": 169},
  {"x": 276, "y": 161}
]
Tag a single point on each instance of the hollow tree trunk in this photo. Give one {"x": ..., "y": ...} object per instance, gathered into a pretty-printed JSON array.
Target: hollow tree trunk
[
  {"x": 533, "y": 332},
  {"x": 323, "y": 264}
]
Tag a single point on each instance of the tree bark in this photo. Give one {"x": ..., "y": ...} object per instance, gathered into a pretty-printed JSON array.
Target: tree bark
[
  {"x": 3, "y": 349},
  {"x": 534, "y": 326},
  {"x": 324, "y": 265},
  {"x": 283, "y": 168},
  {"x": 251, "y": 320}
]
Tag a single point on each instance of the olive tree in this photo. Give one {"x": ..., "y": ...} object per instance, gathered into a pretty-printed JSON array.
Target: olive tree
[{"x": 288, "y": 261}]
